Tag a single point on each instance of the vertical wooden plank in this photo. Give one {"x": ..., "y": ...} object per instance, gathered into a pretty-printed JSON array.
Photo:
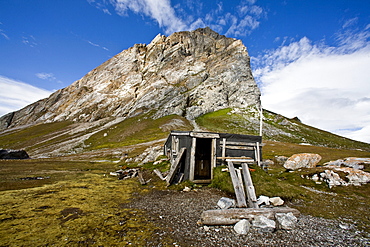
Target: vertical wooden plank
[
  {"x": 251, "y": 193},
  {"x": 223, "y": 150},
  {"x": 240, "y": 198},
  {"x": 258, "y": 154},
  {"x": 213, "y": 161},
  {"x": 192, "y": 159}
]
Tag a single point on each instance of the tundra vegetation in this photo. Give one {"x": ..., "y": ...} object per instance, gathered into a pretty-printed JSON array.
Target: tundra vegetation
[{"x": 71, "y": 200}]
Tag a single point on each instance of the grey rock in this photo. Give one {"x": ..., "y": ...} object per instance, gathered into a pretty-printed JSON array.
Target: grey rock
[
  {"x": 303, "y": 160},
  {"x": 242, "y": 227},
  {"x": 225, "y": 203},
  {"x": 286, "y": 221},
  {"x": 276, "y": 201},
  {"x": 264, "y": 224}
]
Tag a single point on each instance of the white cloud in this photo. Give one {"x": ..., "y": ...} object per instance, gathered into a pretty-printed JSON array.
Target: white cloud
[
  {"x": 159, "y": 10},
  {"x": 15, "y": 95},
  {"x": 240, "y": 22},
  {"x": 326, "y": 87}
]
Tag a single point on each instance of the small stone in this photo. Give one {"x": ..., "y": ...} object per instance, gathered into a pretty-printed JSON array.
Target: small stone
[
  {"x": 263, "y": 200},
  {"x": 264, "y": 224},
  {"x": 276, "y": 201},
  {"x": 225, "y": 203},
  {"x": 286, "y": 221},
  {"x": 206, "y": 228},
  {"x": 186, "y": 189},
  {"x": 242, "y": 227}
]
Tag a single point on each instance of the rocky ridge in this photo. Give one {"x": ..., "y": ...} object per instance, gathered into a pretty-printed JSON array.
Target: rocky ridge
[{"x": 187, "y": 73}]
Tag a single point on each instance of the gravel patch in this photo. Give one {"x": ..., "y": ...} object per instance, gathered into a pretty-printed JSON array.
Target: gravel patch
[{"x": 176, "y": 215}]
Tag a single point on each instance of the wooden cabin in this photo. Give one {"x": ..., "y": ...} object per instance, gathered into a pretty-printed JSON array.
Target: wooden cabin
[{"x": 193, "y": 154}]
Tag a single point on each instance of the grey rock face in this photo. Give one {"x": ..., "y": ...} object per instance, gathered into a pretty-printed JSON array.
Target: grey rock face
[{"x": 187, "y": 73}]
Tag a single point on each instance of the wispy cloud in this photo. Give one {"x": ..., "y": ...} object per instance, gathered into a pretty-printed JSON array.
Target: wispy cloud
[
  {"x": 96, "y": 45},
  {"x": 2, "y": 33},
  {"x": 29, "y": 40},
  {"x": 240, "y": 22},
  {"x": 100, "y": 5},
  {"x": 48, "y": 77},
  {"x": 325, "y": 86},
  {"x": 16, "y": 94}
]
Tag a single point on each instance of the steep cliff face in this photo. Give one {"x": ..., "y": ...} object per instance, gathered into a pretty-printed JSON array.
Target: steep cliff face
[{"x": 187, "y": 73}]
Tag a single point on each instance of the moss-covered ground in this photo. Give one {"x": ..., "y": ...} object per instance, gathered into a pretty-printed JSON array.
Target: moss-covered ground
[{"x": 76, "y": 204}]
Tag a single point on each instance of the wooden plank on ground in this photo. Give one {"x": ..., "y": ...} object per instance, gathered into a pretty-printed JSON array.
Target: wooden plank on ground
[
  {"x": 239, "y": 193},
  {"x": 234, "y": 215},
  {"x": 159, "y": 174},
  {"x": 251, "y": 193},
  {"x": 174, "y": 167}
]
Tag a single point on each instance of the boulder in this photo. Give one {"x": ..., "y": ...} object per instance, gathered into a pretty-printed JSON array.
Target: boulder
[
  {"x": 303, "y": 160},
  {"x": 13, "y": 154},
  {"x": 242, "y": 227},
  {"x": 264, "y": 224},
  {"x": 225, "y": 203},
  {"x": 286, "y": 221}
]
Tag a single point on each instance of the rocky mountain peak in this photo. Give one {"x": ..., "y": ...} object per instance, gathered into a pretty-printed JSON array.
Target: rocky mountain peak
[{"x": 186, "y": 73}]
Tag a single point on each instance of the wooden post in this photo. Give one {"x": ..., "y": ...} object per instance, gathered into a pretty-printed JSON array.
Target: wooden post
[
  {"x": 258, "y": 154},
  {"x": 240, "y": 198},
  {"x": 192, "y": 159},
  {"x": 252, "y": 200},
  {"x": 261, "y": 119},
  {"x": 223, "y": 149}
]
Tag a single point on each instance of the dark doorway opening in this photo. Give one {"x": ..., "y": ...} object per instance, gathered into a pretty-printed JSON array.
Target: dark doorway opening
[{"x": 203, "y": 157}]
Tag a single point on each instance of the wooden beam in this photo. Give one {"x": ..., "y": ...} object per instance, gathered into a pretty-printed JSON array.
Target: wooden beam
[
  {"x": 204, "y": 135},
  {"x": 234, "y": 215},
  {"x": 252, "y": 200},
  {"x": 240, "y": 147},
  {"x": 174, "y": 167},
  {"x": 241, "y": 143},
  {"x": 239, "y": 193}
]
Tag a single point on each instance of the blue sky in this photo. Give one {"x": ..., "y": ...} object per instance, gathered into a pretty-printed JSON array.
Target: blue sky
[{"x": 311, "y": 59}]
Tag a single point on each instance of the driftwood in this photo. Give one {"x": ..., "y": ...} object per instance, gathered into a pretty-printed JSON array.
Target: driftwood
[{"x": 234, "y": 215}]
